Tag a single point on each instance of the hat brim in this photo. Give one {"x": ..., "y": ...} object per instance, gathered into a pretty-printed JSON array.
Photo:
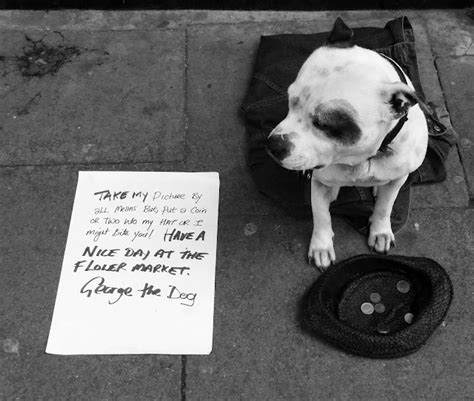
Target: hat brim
[{"x": 319, "y": 312}]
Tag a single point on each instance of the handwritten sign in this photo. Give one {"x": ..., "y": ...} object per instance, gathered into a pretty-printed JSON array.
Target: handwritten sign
[{"x": 139, "y": 266}]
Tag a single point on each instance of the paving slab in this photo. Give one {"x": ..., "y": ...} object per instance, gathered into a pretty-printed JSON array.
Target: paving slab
[
  {"x": 427, "y": 68},
  {"x": 91, "y": 97},
  {"x": 451, "y": 32},
  {"x": 261, "y": 353},
  {"x": 457, "y": 77},
  {"x": 452, "y": 192},
  {"x": 36, "y": 205},
  {"x": 216, "y": 138}
]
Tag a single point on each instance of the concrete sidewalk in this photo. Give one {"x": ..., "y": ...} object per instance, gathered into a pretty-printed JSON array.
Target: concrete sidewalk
[{"x": 161, "y": 91}]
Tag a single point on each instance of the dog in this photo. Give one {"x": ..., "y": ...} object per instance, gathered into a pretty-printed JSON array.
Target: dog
[{"x": 354, "y": 119}]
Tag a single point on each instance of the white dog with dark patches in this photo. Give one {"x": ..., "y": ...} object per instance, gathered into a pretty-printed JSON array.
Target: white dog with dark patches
[{"x": 346, "y": 103}]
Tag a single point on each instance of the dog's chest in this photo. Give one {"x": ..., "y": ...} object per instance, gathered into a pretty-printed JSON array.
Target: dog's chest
[{"x": 361, "y": 175}]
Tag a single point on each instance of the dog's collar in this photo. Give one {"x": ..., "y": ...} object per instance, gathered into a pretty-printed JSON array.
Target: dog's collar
[
  {"x": 400, "y": 72},
  {"x": 395, "y": 130}
]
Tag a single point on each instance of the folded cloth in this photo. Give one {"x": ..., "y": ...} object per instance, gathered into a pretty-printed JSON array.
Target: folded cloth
[{"x": 278, "y": 61}]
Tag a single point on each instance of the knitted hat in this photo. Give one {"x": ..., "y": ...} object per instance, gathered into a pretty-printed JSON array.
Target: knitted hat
[{"x": 378, "y": 306}]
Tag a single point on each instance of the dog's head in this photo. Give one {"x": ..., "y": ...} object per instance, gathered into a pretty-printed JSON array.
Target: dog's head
[{"x": 341, "y": 105}]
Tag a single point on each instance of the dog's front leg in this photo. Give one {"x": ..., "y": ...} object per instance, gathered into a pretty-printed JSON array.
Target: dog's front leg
[
  {"x": 321, "y": 248},
  {"x": 381, "y": 236}
]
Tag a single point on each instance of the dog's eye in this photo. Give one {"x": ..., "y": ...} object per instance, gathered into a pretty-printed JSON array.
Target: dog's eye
[{"x": 317, "y": 123}]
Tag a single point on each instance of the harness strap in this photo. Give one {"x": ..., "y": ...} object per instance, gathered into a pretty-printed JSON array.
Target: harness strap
[{"x": 395, "y": 130}]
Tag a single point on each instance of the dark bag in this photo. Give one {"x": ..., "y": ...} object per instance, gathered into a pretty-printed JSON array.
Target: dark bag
[{"x": 278, "y": 61}]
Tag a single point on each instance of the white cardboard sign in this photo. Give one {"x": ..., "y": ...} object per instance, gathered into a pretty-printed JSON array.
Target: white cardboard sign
[{"x": 139, "y": 266}]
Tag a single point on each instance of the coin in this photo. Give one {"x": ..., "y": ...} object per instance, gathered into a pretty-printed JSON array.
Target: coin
[
  {"x": 367, "y": 308},
  {"x": 375, "y": 297},
  {"x": 408, "y": 317},
  {"x": 403, "y": 286},
  {"x": 379, "y": 308}
]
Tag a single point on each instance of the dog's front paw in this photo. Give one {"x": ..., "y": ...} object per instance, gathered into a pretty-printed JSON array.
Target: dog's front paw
[
  {"x": 321, "y": 251},
  {"x": 381, "y": 237}
]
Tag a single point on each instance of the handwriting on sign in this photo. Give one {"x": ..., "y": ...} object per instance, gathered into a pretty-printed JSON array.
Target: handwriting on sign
[
  {"x": 97, "y": 286},
  {"x": 112, "y": 195},
  {"x": 141, "y": 249},
  {"x": 177, "y": 235},
  {"x": 126, "y": 216}
]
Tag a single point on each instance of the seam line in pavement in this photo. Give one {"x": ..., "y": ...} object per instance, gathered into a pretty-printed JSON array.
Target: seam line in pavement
[
  {"x": 309, "y": 218},
  {"x": 295, "y": 19},
  {"x": 185, "y": 88},
  {"x": 466, "y": 176},
  {"x": 183, "y": 378},
  {"x": 92, "y": 163},
  {"x": 455, "y": 56}
]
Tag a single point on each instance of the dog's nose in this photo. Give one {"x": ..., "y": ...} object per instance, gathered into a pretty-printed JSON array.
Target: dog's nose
[{"x": 279, "y": 146}]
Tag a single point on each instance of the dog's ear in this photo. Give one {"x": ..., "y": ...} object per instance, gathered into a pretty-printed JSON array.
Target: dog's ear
[
  {"x": 341, "y": 35},
  {"x": 400, "y": 97}
]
